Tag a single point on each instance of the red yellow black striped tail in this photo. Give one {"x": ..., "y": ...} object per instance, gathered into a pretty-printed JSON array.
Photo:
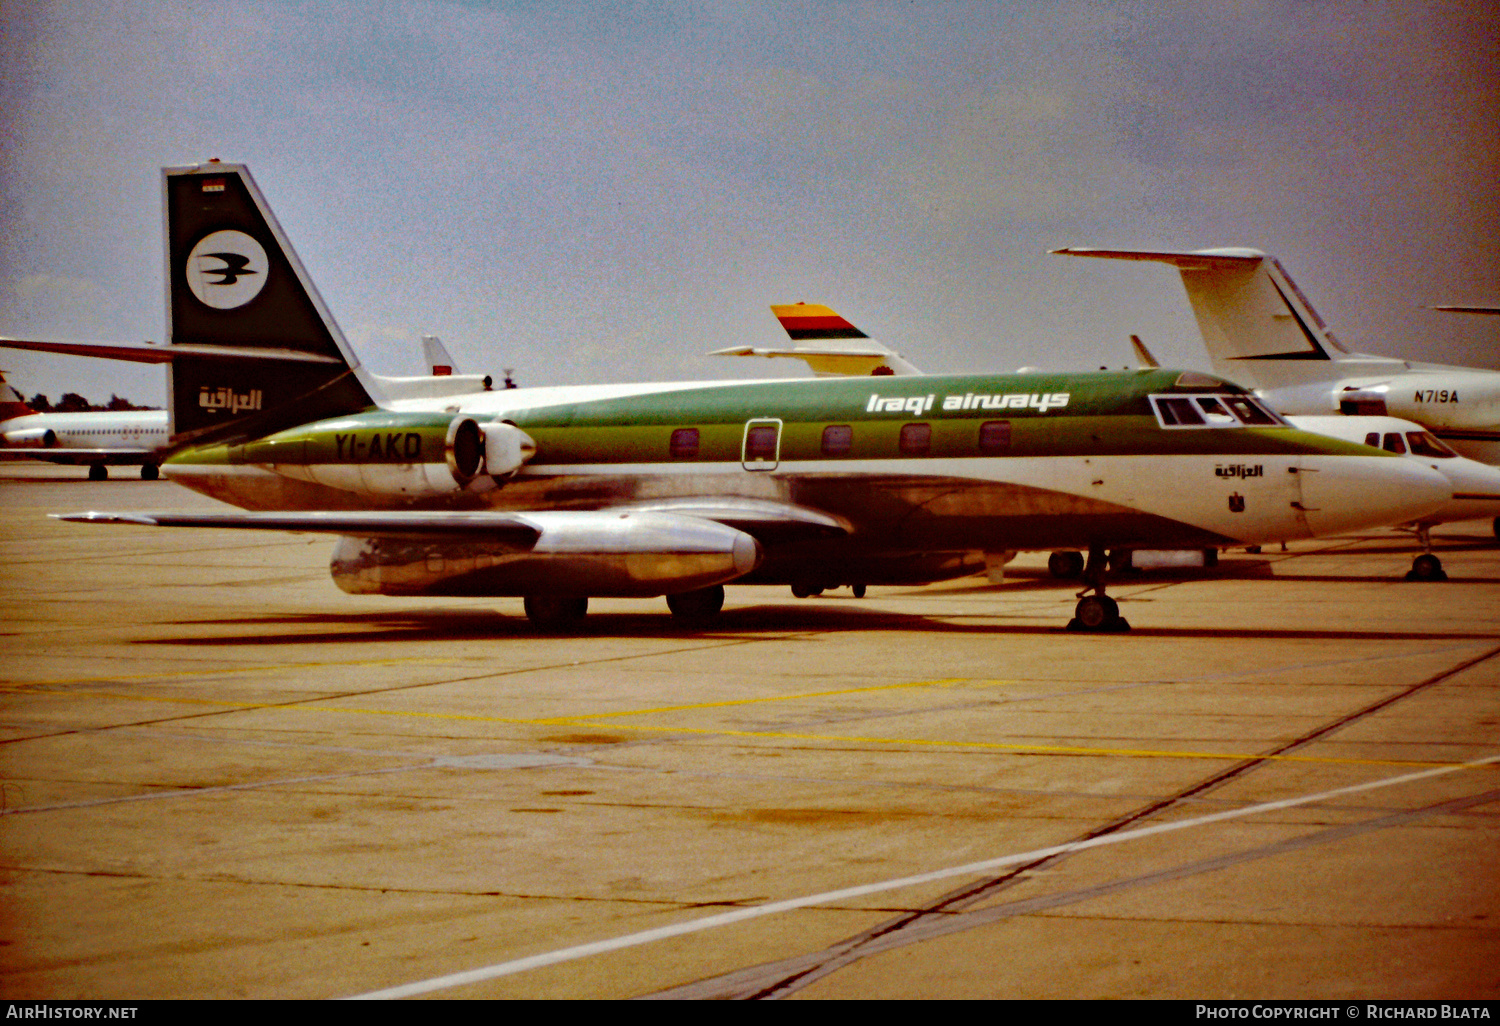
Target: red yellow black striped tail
[{"x": 807, "y": 321}]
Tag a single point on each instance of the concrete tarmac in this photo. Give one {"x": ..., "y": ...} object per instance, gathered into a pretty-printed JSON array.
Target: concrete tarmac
[{"x": 222, "y": 777}]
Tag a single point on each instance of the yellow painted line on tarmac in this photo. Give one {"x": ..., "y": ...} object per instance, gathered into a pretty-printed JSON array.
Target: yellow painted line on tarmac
[
  {"x": 180, "y": 674},
  {"x": 948, "y": 682},
  {"x": 775, "y": 735},
  {"x": 1134, "y": 753}
]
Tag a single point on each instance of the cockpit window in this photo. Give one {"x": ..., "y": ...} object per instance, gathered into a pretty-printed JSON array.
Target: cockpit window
[
  {"x": 1174, "y": 411},
  {"x": 1250, "y": 411},
  {"x": 1212, "y": 411},
  {"x": 1394, "y": 443},
  {"x": 1424, "y": 443}
]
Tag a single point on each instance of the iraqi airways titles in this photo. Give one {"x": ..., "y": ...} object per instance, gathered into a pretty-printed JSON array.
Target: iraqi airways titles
[{"x": 920, "y": 404}]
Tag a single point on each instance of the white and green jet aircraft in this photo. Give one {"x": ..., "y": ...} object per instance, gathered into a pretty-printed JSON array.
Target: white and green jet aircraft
[{"x": 566, "y": 493}]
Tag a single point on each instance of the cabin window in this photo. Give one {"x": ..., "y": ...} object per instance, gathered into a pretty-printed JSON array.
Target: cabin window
[
  {"x": 1373, "y": 439},
  {"x": 916, "y": 439},
  {"x": 684, "y": 443},
  {"x": 760, "y": 442},
  {"x": 994, "y": 437},
  {"x": 1424, "y": 443},
  {"x": 1395, "y": 443},
  {"x": 837, "y": 439}
]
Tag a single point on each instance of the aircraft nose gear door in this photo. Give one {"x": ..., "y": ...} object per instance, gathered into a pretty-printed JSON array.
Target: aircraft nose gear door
[{"x": 762, "y": 446}]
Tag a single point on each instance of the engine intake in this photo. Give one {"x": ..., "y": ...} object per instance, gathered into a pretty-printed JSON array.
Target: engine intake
[{"x": 498, "y": 449}]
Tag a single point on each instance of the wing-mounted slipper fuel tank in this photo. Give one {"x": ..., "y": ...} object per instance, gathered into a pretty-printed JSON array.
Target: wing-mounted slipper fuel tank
[
  {"x": 382, "y": 455},
  {"x": 576, "y": 552}
]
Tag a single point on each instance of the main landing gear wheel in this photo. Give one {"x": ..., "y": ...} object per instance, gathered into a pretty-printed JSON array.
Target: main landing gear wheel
[
  {"x": 1066, "y": 566},
  {"x": 150, "y": 472},
  {"x": 1426, "y": 567},
  {"x": 556, "y": 612},
  {"x": 703, "y": 604},
  {"x": 858, "y": 589},
  {"x": 804, "y": 590},
  {"x": 97, "y": 472}
]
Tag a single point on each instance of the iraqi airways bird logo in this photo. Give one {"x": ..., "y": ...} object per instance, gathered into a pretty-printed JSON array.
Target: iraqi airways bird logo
[{"x": 226, "y": 269}]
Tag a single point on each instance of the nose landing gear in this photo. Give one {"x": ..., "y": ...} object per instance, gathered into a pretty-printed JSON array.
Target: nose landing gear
[
  {"x": 1097, "y": 612},
  {"x": 1426, "y": 567}
]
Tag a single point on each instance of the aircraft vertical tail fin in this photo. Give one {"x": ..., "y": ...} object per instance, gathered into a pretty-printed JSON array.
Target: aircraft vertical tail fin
[
  {"x": 11, "y": 402},
  {"x": 261, "y": 350},
  {"x": 828, "y": 344},
  {"x": 1258, "y": 326},
  {"x": 439, "y": 362}
]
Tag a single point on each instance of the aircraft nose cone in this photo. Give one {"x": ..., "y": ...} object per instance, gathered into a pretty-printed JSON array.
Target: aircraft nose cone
[{"x": 1350, "y": 493}]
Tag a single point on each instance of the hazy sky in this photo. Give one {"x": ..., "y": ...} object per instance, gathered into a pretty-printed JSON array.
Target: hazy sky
[{"x": 594, "y": 191}]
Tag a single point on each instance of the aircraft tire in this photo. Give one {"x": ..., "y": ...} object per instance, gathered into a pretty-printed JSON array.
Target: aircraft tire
[
  {"x": 702, "y": 604},
  {"x": 150, "y": 472},
  {"x": 858, "y": 589},
  {"x": 1066, "y": 566},
  {"x": 556, "y": 612},
  {"x": 800, "y": 590},
  {"x": 98, "y": 472},
  {"x": 1098, "y": 614},
  {"x": 1426, "y": 567}
]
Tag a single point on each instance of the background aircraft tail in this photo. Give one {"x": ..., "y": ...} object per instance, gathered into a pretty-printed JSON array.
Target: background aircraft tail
[
  {"x": 1259, "y": 328},
  {"x": 828, "y": 344},
  {"x": 11, "y": 402},
  {"x": 259, "y": 349}
]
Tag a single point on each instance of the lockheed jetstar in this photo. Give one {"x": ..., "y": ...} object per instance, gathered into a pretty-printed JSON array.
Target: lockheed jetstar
[{"x": 563, "y": 494}]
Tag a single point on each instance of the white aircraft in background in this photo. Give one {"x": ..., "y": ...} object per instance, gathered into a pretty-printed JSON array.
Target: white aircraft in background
[
  {"x": 1476, "y": 486},
  {"x": 1262, "y": 332},
  {"x": 96, "y": 439}
]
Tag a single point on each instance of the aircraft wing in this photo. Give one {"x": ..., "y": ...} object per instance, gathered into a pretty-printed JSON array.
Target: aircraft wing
[
  {"x": 767, "y": 522},
  {"x": 74, "y": 457},
  {"x": 489, "y": 526}
]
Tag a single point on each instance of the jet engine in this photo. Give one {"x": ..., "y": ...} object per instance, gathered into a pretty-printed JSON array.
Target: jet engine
[
  {"x": 589, "y": 553},
  {"x": 31, "y": 438},
  {"x": 498, "y": 450}
]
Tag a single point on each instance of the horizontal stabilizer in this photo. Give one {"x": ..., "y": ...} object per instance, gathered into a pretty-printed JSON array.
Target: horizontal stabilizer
[
  {"x": 163, "y": 354},
  {"x": 1259, "y": 328},
  {"x": 1189, "y": 260}
]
